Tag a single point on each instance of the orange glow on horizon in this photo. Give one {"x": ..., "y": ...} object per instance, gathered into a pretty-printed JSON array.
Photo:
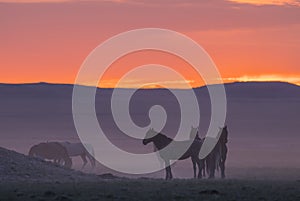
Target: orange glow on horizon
[
  {"x": 150, "y": 77},
  {"x": 48, "y": 42},
  {"x": 293, "y": 79},
  {"x": 269, "y": 2}
]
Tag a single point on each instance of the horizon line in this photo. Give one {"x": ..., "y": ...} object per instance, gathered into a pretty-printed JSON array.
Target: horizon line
[{"x": 56, "y": 83}]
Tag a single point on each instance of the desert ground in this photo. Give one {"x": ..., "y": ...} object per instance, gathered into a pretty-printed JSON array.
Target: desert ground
[
  {"x": 152, "y": 189},
  {"x": 25, "y": 178}
]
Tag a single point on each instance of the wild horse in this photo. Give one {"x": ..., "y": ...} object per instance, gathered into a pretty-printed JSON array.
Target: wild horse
[
  {"x": 51, "y": 151},
  {"x": 176, "y": 150},
  {"x": 217, "y": 157}
]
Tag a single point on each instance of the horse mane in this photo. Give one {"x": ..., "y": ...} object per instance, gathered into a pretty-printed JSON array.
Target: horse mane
[
  {"x": 163, "y": 136},
  {"x": 197, "y": 137},
  {"x": 161, "y": 141}
]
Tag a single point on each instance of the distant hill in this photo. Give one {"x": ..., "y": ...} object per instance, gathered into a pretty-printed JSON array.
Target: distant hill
[
  {"x": 233, "y": 90},
  {"x": 262, "y": 117},
  {"x": 262, "y": 90},
  {"x": 40, "y": 101}
]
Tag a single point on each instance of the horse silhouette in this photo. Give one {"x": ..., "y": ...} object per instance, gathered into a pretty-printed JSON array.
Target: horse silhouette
[
  {"x": 177, "y": 150},
  {"x": 51, "y": 151},
  {"x": 217, "y": 157}
]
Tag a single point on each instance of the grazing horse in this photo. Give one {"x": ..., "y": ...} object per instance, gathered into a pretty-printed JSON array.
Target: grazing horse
[
  {"x": 51, "y": 151},
  {"x": 217, "y": 157},
  {"x": 177, "y": 150},
  {"x": 78, "y": 149}
]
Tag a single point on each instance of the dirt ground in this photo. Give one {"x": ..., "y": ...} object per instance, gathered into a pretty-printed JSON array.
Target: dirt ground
[
  {"x": 25, "y": 178},
  {"x": 152, "y": 189}
]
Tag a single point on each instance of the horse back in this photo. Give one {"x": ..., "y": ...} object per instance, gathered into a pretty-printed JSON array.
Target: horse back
[
  {"x": 74, "y": 149},
  {"x": 182, "y": 150}
]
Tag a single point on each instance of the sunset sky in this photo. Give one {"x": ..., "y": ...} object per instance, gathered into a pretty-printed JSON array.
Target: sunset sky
[{"x": 249, "y": 40}]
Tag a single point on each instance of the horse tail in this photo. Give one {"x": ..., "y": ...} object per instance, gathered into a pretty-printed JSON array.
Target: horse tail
[
  {"x": 92, "y": 157},
  {"x": 207, "y": 165},
  {"x": 219, "y": 158},
  {"x": 203, "y": 170}
]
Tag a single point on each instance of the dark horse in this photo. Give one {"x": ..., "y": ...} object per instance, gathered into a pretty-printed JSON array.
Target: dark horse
[
  {"x": 177, "y": 150},
  {"x": 51, "y": 151},
  {"x": 217, "y": 157}
]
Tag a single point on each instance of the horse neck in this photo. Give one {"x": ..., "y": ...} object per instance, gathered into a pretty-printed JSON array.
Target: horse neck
[
  {"x": 220, "y": 146},
  {"x": 222, "y": 140},
  {"x": 161, "y": 141}
]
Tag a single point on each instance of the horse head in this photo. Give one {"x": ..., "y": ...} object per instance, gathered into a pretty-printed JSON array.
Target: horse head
[
  {"x": 37, "y": 151},
  {"x": 151, "y": 133}
]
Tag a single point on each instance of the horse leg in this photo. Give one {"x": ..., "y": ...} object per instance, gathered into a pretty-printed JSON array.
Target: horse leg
[
  {"x": 194, "y": 166},
  {"x": 57, "y": 161},
  {"x": 168, "y": 170},
  {"x": 171, "y": 175},
  {"x": 84, "y": 160},
  {"x": 222, "y": 162},
  {"x": 207, "y": 165},
  {"x": 167, "y": 173},
  {"x": 92, "y": 160},
  {"x": 211, "y": 166},
  {"x": 200, "y": 167},
  {"x": 67, "y": 162},
  {"x": 203, "y": 168},
  {"x": 61, "y": 161},
  {"x": 222, "y": 167}
]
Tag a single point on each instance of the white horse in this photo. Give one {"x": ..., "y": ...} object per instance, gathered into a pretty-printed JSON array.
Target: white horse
[{"x": 84, "y": 151}]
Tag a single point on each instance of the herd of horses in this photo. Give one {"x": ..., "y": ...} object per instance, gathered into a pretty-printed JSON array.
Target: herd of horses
[
  {"x": 168, "y": 150},
  {"x": 61, "y": 152}
]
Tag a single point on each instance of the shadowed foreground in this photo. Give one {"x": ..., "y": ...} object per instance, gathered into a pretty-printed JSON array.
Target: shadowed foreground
[
  {"x": 153, "y": 189},
  {"x": 26, "y": 178}
]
